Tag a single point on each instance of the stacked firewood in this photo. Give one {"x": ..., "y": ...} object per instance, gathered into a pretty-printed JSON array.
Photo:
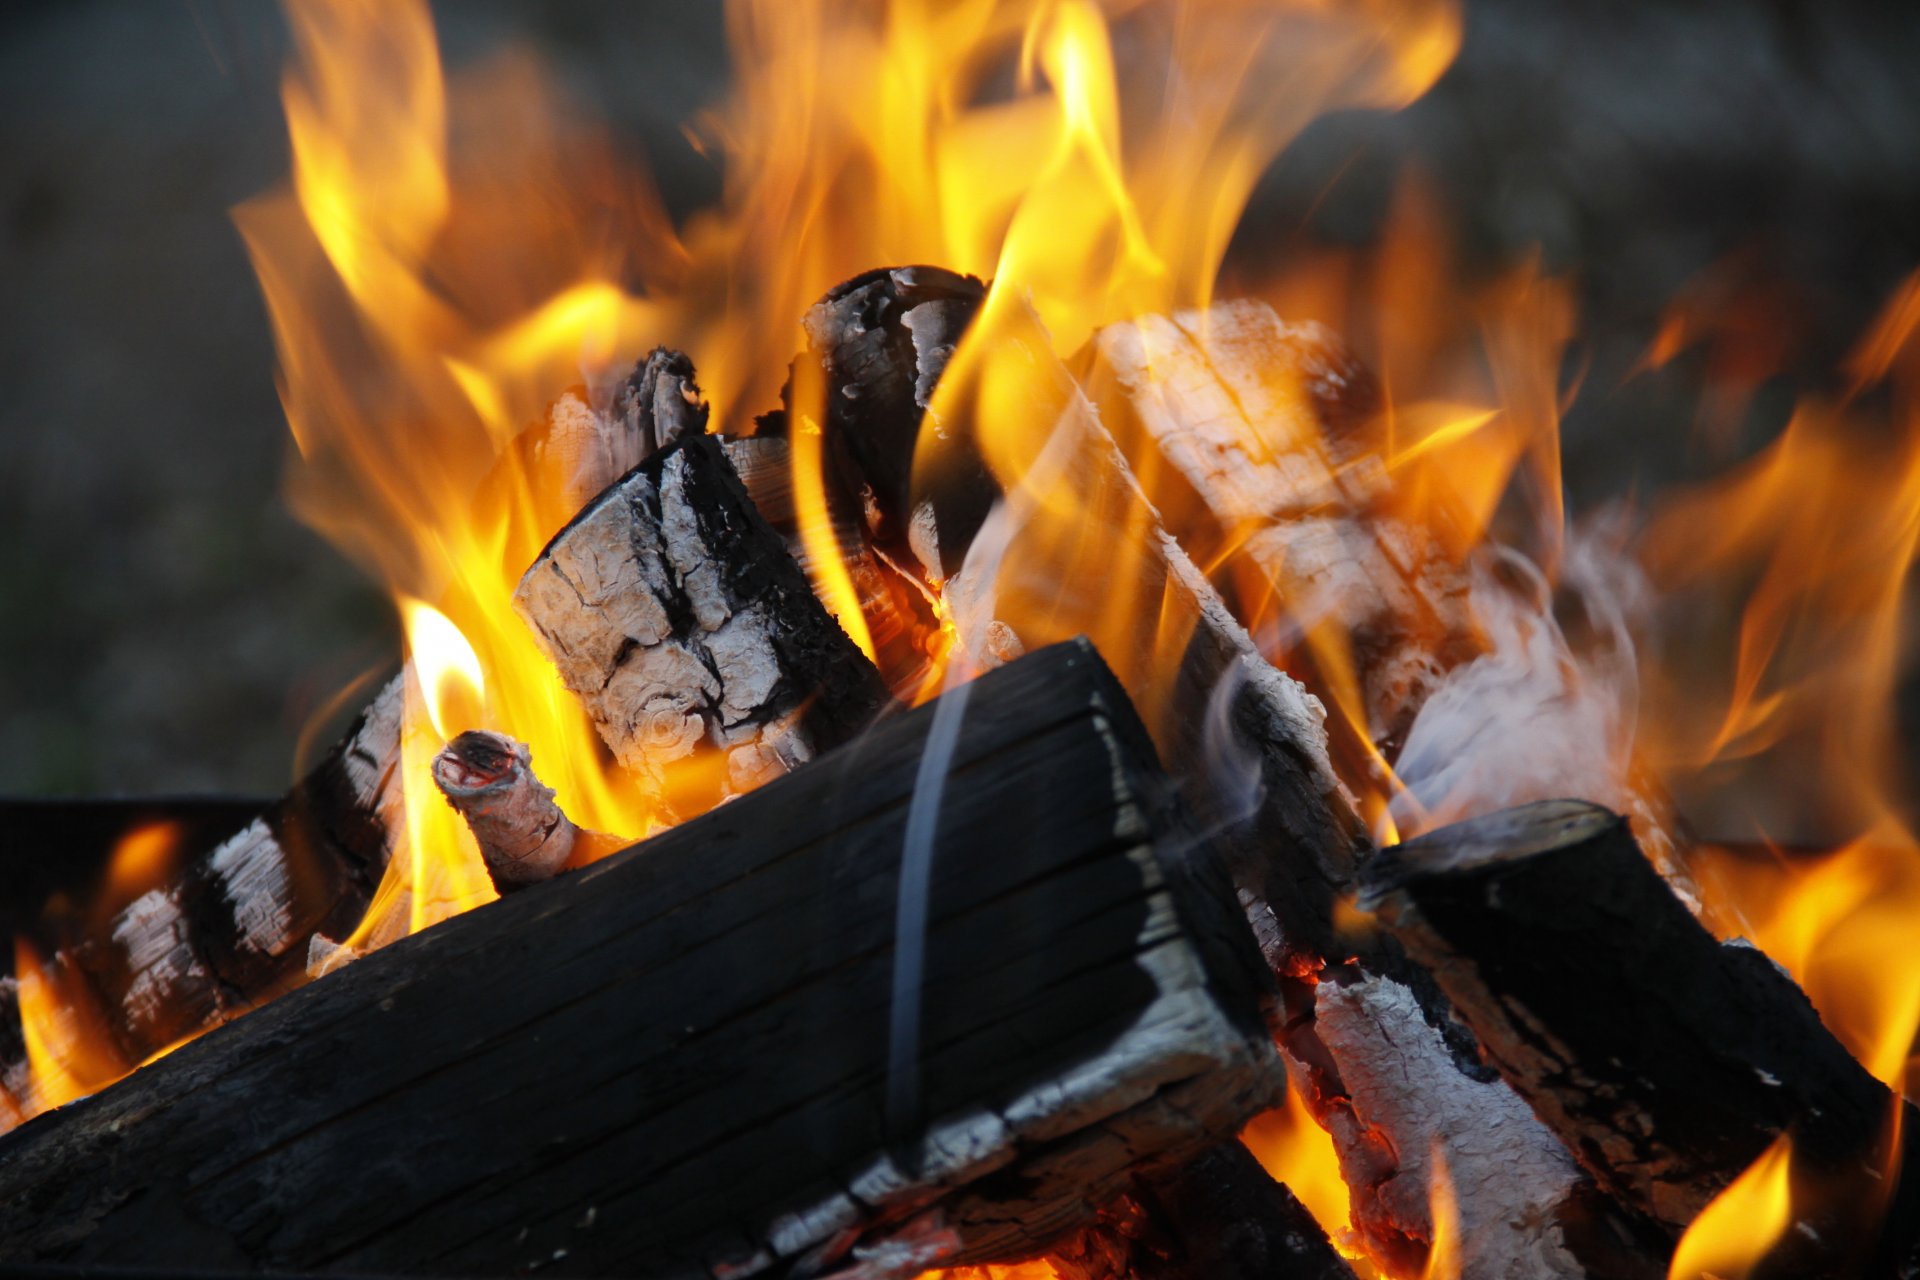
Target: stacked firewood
[{"x": 998, "y": 975}]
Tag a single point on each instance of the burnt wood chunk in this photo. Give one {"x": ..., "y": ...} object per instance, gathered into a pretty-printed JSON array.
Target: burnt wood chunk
[
  {"x": 229, "y": 927},
  {"x": 1666, "y": 1061},
  {"x": 671, "y": 1063},
  {"x": 673, "y": 610},
  {"x": 877, "y": 346}
]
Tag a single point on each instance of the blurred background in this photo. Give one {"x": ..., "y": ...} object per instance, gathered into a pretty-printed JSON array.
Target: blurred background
[{"x": 167, "y": 626}]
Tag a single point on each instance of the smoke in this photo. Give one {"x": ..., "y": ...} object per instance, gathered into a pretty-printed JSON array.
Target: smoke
[{"x": 1547, "y": 711}]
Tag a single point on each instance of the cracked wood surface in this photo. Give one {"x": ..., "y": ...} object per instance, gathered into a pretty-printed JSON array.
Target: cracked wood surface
[
  {"x": 671, "y": 1062},
  {"x": 674, "y": 612}
]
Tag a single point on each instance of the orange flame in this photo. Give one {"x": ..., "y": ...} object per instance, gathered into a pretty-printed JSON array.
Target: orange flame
[{"x": 1734, "y": 1233}]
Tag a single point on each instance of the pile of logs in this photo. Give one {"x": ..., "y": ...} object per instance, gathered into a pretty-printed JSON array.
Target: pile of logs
[{"x": 996, "y": 976}]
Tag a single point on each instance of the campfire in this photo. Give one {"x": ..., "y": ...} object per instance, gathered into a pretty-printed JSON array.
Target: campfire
[{"x": 951, "y": 727}]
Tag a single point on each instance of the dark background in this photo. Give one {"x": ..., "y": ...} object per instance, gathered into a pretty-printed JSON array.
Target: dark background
[{"x": 165, "y": 625}]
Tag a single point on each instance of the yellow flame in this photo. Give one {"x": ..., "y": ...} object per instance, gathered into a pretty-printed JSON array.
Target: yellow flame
[
  {"x": 448, "y": 670},
  {"x": 1291, "y": 1146},
  {"x": 69, "y": 1052},
  {"x": 1443, "y": 1254},
  {"x": 1735, "y": 1231}
]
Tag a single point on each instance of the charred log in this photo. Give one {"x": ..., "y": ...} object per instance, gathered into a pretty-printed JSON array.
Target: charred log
[
  {"x": 674, "y": 612},
  {"x": 1256, "y": 436},
  {"x": 877, "y": 345},
  {"x": 1668, "y": 1062},
  {"x": 666, "y": 1063},
  {"x": 231, "y": 928}
]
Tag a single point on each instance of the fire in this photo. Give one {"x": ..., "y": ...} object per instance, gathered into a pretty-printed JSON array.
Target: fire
[
  {"x": 141, "y": 859},
  {"x": 451, "y": 255},
  {"x": 1443, "y": 1253},
  {"x": 1733, "y": 1234},
  {"x": 1290, "y": 1144}
]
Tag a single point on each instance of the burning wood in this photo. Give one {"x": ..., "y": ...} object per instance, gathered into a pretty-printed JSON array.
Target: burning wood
[
  {"x": 676, "y": 615},
  {"x": 521, "y": 831},
  {"x": 1097, "y": 1015},
  {"x": 1256, "y": 428},
  {"x": 879, "y": 347},
  {"x": 1667, "y": 1062},
  {"x": 1216, "y": 1217},
  {"x": 231, "y": 929}
]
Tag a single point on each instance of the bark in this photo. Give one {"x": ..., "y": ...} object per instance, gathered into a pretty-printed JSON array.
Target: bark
[
  {"x": 1666, "y": 1061},
  {"x": 674, "y": 612},
  {"x": 668, "y": 1064}
]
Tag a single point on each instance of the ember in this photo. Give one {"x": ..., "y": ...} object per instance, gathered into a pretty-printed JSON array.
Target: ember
[{"x": 949, "y": 728}]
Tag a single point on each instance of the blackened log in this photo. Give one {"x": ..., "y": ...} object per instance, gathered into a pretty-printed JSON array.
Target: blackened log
[
  {"x": 1252, "y": 433},
  {"x": 659, "y": 404},
  {"x": 877, "y": 345},
  {"x": 231, "y": 927},
  {"x": 1667, "y": 1061},
  {"x": 671, "y": 1062},
  {"x": 673, "y": 610},
  {"x": 1245, "y": 742}
]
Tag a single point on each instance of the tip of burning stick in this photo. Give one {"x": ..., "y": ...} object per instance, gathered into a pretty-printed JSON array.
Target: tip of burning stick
[{"x": 478, "y": 759}]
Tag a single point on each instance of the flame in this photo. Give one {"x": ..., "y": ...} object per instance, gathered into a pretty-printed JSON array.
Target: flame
[
  {"x": 1290, "y": 1145},
  {"x": 69, "y": 1051},
  {"x": 451, "y": 253},
  {"x": 452, "y": 685},
  {"x": 141, "y": 859},
  {"x": 1734, "y": 1233},
  {"x": 1443, "y": 1253}
]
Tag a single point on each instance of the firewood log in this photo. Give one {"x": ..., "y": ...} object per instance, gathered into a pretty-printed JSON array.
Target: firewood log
[
  {"x": 1666, "y": 1061},
  {"x": 232, "y": 927},
  {"x": 1245, "y": 741},
  {"x": 1256, "y": 431},
  {"x": 672, "y": 1062},
  {"x": 676, "y": 615}
]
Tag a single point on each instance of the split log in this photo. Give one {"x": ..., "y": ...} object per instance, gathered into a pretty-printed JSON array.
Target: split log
[
  {"x": 671, "y": 1063},
  {"x": 1255, "y": 435},
  {"x": 1247, "y": 743},
  {"x": 1406, "y": 1115},
  {"x": 1263, "y": 443},
  {"x": 676, "y": 615},
  {"x": 1668, "y": 1062},
  {"x": 231, "y": 928}
]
